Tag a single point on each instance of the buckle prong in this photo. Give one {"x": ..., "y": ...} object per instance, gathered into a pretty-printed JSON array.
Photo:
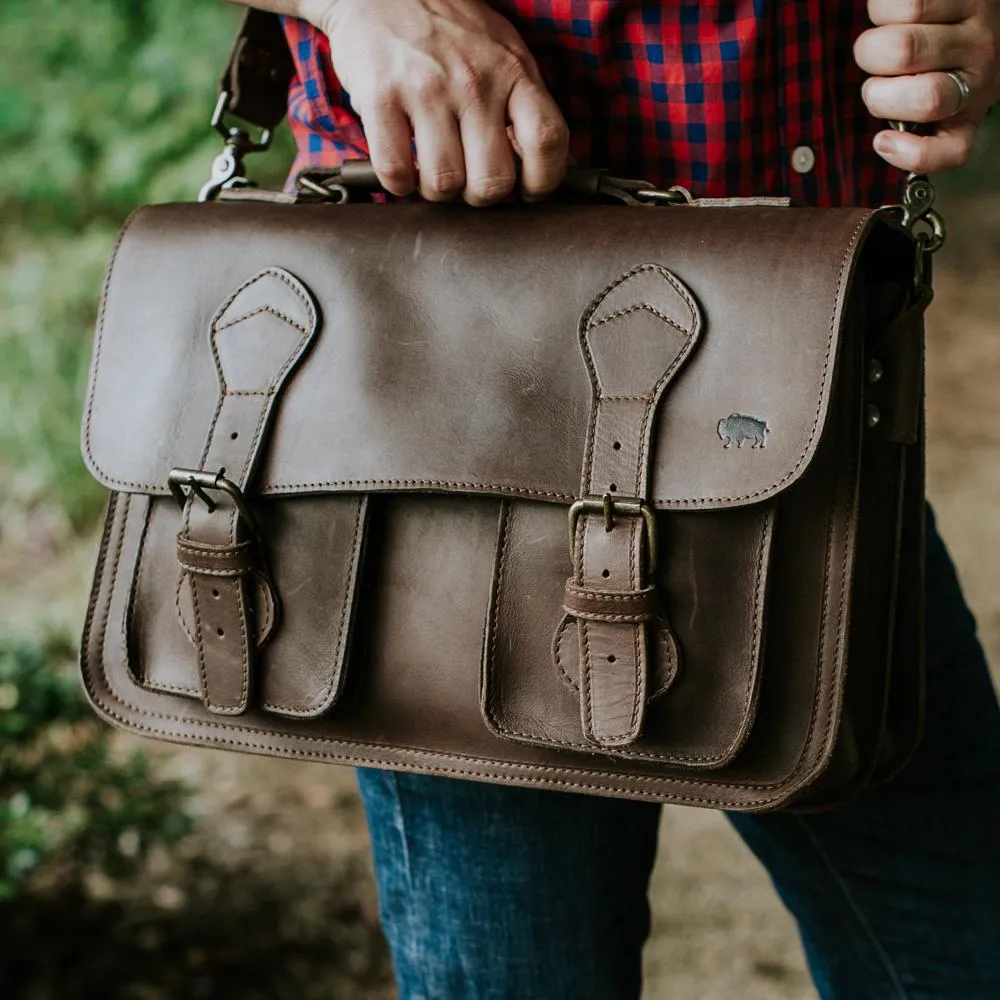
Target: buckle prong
[
  {"x": 609, "y": 507},
  {"x": 199, "y": 482}
]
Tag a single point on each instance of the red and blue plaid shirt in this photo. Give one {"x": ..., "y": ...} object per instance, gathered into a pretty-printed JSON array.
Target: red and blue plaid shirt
[{"x": 727, "y": 97}]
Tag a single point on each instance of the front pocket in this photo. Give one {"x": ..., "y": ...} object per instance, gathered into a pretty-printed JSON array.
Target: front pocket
[
  {"x": 712, "y": 578},
  {"x": 303, "y": 622}
]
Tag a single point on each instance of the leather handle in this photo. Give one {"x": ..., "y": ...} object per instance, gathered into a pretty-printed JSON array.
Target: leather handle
[{"x": 358, "y": 176}]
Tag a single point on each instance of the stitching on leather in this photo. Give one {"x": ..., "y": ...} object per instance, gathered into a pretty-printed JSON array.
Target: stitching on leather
[
  {"x": 353, "y": 758},
  {"x": 667, "y": 643},
  {"x": 637, "y": 637},
  {"x": 595, "y": 616},
  {"x": 272, "y": 310},
  {"x": 99, "y": 340},
  {"x": 824, "y": 380},
  {"x": 199, "y": 644},
  {"x": 294, "y": 355},
  {"x": 225, "y": 573},
  {"x": 262, "y": 585},
  {"x": 842, "y": 611},
  {"x": 185, "y": 689},
  {"x": 639, "y": 306},
  {"x": 273, "y": 272},
  {"x": 414, "y": 483},
  {"x": 564, "y": 626},
  {"x": 606, "y": 595},
  {"x": 244, "y": 643},
  {"x": 631, "y": 272},
  {"x": 258, "y": 431},
  {"x": 177, "y": 604},
  {"x": 321, "y": 701},
  {"x": 586, "y": 680}
]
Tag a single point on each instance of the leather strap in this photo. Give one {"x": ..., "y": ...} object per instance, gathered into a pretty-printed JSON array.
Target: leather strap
[
  {"x": 635, "y": 337},
  {"x": 257, "y": 338},
  {"x": 259, "y": 71}
]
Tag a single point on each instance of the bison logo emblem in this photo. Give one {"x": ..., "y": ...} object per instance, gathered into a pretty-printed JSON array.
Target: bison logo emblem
[{"x": 739, "y": 428}]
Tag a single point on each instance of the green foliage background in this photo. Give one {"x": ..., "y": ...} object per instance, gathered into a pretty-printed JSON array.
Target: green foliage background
[{"x": 104, "y": 105}]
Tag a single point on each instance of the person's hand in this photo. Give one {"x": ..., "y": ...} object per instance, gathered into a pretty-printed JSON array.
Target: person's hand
[
  {"x": 908, "y": 54},
  {"x": 454, "y": 77}
]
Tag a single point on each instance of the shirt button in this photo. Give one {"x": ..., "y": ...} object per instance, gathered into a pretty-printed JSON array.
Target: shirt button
[{"x": 803, "y": 159}]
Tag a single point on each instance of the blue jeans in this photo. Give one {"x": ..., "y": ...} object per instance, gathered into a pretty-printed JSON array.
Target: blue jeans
[{"x": 496, "y": 893}]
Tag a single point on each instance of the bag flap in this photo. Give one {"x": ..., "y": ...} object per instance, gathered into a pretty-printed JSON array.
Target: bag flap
[{"x": 449, "y": 357}]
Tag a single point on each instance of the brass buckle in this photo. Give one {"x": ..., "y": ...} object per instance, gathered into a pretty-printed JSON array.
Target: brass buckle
[
  {"x": 610, "y": 507},
  {"x": 199, "y": 483}
]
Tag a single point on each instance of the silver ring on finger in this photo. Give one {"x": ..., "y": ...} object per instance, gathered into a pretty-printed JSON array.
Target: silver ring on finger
[{"x": 964, "y": 92}]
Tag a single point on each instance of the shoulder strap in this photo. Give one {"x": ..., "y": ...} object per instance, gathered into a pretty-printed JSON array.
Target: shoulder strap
[{"x": 254, "y": 84}]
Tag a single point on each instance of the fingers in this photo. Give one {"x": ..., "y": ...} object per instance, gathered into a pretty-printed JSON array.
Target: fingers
[
  {"x": 541, "y": 137},
  {"x": 899, "y": 49},
  {"x": 925, "y": 97},
  {"x": 948, "y": 148},
  {"x": 489, "y": 160},
  {"x": 440, "y": 159},
  {"x": 919, "y": 11},
  {"x": 387, "y": 129}
]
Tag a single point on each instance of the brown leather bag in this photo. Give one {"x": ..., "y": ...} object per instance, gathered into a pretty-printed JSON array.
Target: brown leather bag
[{"x": 620, "y": 500}]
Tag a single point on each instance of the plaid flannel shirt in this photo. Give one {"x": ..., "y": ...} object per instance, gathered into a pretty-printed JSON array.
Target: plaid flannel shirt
[{"x": 727, "y": 97}]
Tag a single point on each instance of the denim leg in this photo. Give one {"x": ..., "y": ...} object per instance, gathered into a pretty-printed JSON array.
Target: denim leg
[
  {"x": 495, "y": 893},
  {"x": 897, "y": 894}
]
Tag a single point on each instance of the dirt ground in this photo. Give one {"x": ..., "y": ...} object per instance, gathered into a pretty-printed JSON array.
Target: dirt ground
[{"x": 719, "y": 932}]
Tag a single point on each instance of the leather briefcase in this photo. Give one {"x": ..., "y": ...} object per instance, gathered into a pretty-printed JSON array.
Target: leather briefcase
[{"x": 619, "y": 499}]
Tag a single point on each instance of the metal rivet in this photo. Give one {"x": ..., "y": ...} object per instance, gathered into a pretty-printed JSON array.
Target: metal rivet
[
  {"x": 875, "y": 371},
  {"x": 872, "y": 415},
  {"x": 803, "y": 159}
]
